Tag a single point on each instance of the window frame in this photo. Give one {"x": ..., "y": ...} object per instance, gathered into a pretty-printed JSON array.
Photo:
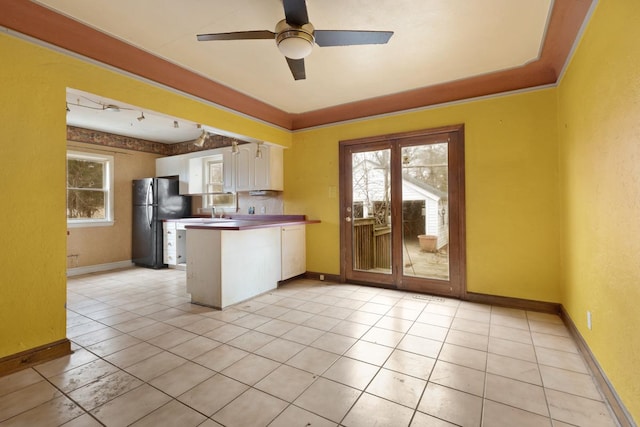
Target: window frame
[{"x": 108, "y": 188}]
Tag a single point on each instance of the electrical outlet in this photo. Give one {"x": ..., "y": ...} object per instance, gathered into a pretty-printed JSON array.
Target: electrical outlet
[
  {"x": 589, "y": 324},
  {"x": 322, "y": 277}
]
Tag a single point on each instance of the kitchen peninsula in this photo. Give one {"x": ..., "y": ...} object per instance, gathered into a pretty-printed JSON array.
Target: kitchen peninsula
[{"x": 237, "y": 258}]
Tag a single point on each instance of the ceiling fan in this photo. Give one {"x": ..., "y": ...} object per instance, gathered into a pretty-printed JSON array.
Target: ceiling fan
[{"x": 295, "y": 36}]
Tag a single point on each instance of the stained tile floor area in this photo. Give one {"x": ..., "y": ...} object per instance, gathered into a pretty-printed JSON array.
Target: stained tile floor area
[{"x": 307, "y": 354}]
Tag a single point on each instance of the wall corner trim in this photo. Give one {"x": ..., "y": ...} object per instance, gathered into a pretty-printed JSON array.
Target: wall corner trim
[
  {"x": 28, "y": 358},
  {"x": 615, "y": 403}
]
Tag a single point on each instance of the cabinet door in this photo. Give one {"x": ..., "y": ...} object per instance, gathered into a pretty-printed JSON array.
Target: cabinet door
[
  {"x": 261, "y": 179},
  {"x": 293, "y": 247},
  {"x": 245, "y": 167},
  {"x": 174, "y": 166},
  {"x": 229, "y": 170},
  {"x": 181, "y": 246},
  {"x": 268, "y": 169},
  {"x": 169, "y": 243},
  {"x": 196, "y": 178}
]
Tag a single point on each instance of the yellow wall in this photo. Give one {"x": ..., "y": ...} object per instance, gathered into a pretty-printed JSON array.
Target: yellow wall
[
  {"x": 527, "y": 237},
  {"x": 511, "y": 189},
  {"x": 32, "y": 293},
  {"x": 32, "y": 176},
  {"x": 599, "y": 133},
  {"x": 103, "y": 245}
]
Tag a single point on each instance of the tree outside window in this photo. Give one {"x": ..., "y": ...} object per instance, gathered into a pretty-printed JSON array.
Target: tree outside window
[{"x": 89, "y": 183}]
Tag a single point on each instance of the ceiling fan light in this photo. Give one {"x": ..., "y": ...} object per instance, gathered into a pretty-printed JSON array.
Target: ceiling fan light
[{"x": 295, "y": 44}]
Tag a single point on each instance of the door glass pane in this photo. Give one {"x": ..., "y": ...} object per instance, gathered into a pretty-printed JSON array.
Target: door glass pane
[
  {"x": 371, "y": 211},
  {"x": 425, "y": 211}
]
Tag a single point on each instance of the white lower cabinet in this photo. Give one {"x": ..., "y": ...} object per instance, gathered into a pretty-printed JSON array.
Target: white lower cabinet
[
  {"x": 174, "y": 244},
  {"x": 293, "y": 251},
  {"x": 228, "y": 267}
]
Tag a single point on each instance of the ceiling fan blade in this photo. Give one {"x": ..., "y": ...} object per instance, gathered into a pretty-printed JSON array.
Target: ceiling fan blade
[
  {"x": 348, "y": 38},
  {"x": 239, "y": 35},
  {"x": 295, "y": 12},
  {"x": 297, "y": 68}
]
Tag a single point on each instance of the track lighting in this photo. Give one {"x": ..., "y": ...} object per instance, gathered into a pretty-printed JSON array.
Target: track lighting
[
  {"x": 111, "y": 107},
  {"x": 175, "y": 124},
  {"x": 201, "y": 139},
  {"x": 234, "y": 147},
  {"x": 142, "y": 117},
  {"x": 259, "y": 151}
]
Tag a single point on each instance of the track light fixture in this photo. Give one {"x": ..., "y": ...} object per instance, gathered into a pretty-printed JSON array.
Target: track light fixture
[
  {"x": 201, "y": 139},
  {"x": 234, "y": 147},
  {"x": 176, "y": 124},
  {"x": 259, "y": 151},
  {"x": 142, "y": 117}
]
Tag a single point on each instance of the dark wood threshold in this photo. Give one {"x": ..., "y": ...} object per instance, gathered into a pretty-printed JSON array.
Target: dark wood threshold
[
  {"x": 509, "y": 302},
  {"x": 616, "y": 405},
  {"x": 26, "y": 359}
]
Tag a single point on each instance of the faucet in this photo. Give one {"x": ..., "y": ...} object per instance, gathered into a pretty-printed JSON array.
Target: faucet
[{"x": 213, "y": 212}]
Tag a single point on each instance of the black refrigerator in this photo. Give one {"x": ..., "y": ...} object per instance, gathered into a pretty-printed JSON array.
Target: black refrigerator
[{"x": 154, "y": 199}]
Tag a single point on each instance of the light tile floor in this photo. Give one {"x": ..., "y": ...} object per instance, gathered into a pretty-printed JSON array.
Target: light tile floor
[{"x": 307, "y": 354}]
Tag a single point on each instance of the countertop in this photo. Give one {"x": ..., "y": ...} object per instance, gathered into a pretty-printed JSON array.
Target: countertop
[{"x": 243, "y": 222}]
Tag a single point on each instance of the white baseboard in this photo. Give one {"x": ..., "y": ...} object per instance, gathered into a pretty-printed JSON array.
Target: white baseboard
[{"x": 77, "y": 271}]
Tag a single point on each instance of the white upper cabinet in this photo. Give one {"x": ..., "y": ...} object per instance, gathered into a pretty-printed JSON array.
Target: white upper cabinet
[
  {"x": 189, "y": 168},
  {"x": 196, "y": 176},
  {"x": 250, "y": 173},
  {"x": 268, "y": 170},
  {"x": 245, "y": 167},
  {"x": 241, "y": 171},
  {"x": 175, "y": 166}
]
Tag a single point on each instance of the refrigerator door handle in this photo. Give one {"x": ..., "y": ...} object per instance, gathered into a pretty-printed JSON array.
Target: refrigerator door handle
[
  {"x": 149, "y": 215},
  {"x": 150, "y": 193},
  {"x": 150, "y": 203}
]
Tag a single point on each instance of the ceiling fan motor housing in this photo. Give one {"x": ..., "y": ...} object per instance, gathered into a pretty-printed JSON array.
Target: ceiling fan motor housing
[{"x": 295, "y": 42}]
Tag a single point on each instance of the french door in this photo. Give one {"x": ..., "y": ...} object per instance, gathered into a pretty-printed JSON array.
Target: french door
[{"x": 402, "y": 211}]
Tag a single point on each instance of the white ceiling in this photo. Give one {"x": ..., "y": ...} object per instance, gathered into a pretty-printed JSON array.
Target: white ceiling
[
  {"x": 435, "y": 41},
  {"x": 90, "y": 111}
]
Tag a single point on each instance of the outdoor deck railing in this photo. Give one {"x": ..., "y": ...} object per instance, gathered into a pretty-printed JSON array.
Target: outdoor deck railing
[{"x": 371, "y": 245}]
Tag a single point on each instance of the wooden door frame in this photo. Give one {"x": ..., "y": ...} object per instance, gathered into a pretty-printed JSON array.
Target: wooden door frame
[{"x": 456, "y": 199}]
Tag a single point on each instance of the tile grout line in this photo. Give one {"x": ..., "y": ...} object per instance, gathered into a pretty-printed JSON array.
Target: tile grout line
[{"x": 370, "y": 327}]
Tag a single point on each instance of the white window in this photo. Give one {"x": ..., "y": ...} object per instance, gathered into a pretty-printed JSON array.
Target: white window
[{"x": 89, "y": 189}]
